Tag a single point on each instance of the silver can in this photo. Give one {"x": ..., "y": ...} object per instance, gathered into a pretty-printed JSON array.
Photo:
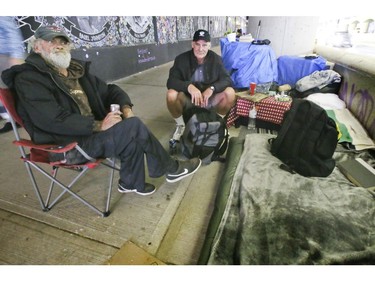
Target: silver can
[{"x": 115, "y": 107}]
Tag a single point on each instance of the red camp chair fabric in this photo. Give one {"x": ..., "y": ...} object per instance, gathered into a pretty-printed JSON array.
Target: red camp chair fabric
[{"x": 35, "y": 154}]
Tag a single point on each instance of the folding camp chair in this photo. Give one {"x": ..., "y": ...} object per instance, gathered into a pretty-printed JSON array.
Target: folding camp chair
[{"x": 33, "y": 155}]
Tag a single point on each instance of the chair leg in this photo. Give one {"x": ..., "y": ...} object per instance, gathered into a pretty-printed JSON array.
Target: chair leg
[
  {"x": 52, "y": 184},
  {"x": 66, "y": 188},
  {"x": 35, "y": 186},
  {"x": 111, "y": 175}
]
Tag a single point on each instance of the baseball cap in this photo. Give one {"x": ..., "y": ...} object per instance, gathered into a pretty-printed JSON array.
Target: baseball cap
[
  {"x": 202, "y": 34},
  {"x": 49, "y": 32}
]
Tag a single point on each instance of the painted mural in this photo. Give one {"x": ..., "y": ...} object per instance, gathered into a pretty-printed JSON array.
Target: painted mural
[
  {"x": 106, "y": 31},
  {"x": 138, "y": 30},
  {"x": 218, "y": 26},
  {"x": 145, "y": 38},
  {"x": 185, "y": 28},
  {"x": 200, "y": 23},
  {"x": 166, "y": 30}
]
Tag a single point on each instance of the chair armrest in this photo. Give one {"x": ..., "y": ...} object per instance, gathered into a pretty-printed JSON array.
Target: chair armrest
[{"x": 46, "y": 147}]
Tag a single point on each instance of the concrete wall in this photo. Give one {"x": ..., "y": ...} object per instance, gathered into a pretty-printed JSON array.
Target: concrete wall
[
  {"x": 288, "y": 35},
  {"x": 112, "y": 63}
]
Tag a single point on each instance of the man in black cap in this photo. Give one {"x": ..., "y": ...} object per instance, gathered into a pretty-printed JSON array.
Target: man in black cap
[
  {"x": 60, "y": 102},
  {"x": 198, "y": 78}
]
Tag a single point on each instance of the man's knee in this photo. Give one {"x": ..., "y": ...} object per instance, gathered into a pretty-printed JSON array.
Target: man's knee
[
  {"x": 230, "y": 93},
  {"x": 172, "y": 96},
  {"x": 176, "y": 100},
  {"x": 131, "y": 123},
  {"x": 230, "y": 96},
  {"x": 131, "y": 127}
]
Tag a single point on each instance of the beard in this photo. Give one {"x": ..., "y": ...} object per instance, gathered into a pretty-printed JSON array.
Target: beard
[{"x": 58, "y": 59}]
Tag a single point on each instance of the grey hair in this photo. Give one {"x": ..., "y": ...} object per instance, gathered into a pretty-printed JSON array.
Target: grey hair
[{"x": 31, "y": 44}]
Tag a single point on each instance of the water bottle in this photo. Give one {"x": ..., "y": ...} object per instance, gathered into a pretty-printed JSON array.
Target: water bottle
[
  {"x": 251, "y": 123},
  {"x": 115, "y": 107}
]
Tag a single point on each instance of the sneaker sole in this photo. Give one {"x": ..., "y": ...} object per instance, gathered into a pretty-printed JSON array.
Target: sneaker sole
[
  {"x": 184, "y": 176},
  {"x": 135, "y": 191},
  {"x": 126, "y": 190}
]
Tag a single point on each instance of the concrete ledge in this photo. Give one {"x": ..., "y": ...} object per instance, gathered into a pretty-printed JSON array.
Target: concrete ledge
[{"x": 355, "y": 58}]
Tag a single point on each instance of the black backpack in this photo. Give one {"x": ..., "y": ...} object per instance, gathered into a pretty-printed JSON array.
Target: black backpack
[
  {"x": 205, "y": 136},
  {"x": 307, "y": 140}
]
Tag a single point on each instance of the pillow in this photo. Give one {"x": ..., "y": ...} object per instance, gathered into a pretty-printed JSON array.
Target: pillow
[
  {"x": 351, "y": 129},
  {"x": 327, "y": 100}
]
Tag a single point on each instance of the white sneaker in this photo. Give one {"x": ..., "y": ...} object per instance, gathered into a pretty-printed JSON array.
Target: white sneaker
[{"x": 178, "y": 133}]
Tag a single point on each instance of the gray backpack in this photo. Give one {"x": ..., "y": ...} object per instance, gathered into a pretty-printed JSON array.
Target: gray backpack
[{"x": 205, "y": 136}]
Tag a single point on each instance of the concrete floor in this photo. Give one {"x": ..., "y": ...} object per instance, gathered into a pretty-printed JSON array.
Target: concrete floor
[{"x": 170, "y": 225}]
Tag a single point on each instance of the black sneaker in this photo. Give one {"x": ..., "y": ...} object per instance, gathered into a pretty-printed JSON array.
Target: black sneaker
[
  {"x": 148, "y": 190},
  {"x": 185, "y": 168},
  {"x": 7, "y": 127}
]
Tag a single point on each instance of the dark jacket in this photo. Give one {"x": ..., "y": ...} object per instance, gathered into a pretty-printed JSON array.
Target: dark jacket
[
  {"x": 186, "y": 63},
  {"x": 49, "y": 113}
]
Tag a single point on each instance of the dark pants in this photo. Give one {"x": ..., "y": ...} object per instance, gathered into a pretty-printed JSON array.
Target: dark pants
[{"x": 130, "y": 140}]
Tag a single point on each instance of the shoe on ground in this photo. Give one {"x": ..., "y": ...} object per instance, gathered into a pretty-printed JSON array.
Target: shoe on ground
[
  {"x": 178, "y": 132},
  {"x": 185, "y": 168},
  {"x": 7, "y": 127},
  {"x": 148, "y": 190}
]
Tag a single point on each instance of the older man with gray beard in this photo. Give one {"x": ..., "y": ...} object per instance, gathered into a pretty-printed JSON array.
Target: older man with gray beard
[{"x": 60, "y": 102}]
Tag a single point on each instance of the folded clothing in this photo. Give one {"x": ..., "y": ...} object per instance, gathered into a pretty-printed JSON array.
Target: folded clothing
[{"x": 318, "y": 79}]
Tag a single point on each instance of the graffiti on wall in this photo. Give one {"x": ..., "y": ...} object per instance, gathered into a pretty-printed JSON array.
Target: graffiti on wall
[
  {"x": 95, "y": 31},
  {"x": 185, "y": 28},
  {"x": 106, "y": 31},
  {"x": 361, "y": 103},
  {"x": 200, "y": 23},
  {"x": 88, "y": 32},
  {"x": 91, "y": 30},
  {"x": 83, "y": 31},
  {"x": 144, "y": 55},
  {"x": 218, "y": 26},
  {"x": 138, "y": 30},
  {"x": 166, "y": 29}
]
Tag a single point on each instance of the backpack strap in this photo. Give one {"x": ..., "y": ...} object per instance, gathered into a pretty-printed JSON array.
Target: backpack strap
[{"x": 220, "y": 150}]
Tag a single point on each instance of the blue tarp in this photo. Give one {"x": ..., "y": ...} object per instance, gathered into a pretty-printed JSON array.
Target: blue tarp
[
  {"x": 293, "y": 68},
  {"x": 249, "y": 63}
]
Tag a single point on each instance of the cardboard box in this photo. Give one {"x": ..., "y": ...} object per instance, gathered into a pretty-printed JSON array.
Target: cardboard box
[{"x": 131, "y": 254}]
